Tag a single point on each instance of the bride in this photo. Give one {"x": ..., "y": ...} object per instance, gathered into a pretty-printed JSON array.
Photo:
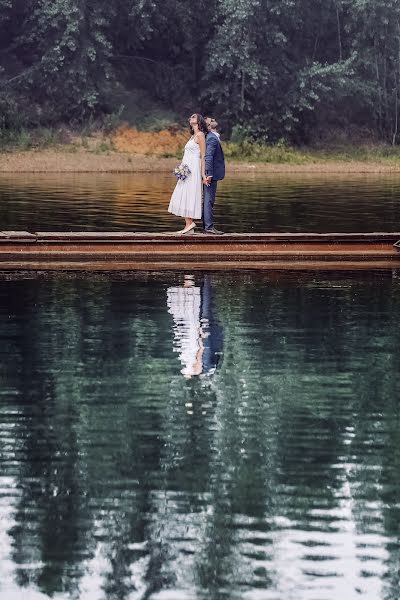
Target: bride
[{"x": 186, "y": 198}]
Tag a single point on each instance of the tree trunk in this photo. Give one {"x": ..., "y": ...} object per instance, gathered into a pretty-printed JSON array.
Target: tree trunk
[
  {"x": 339, "y": 33},
  {"x": 242, "y": 91},
  {"x": 379, "y": 87},
  {"x": 397, "y": 82},
  {"x": 386, "y": 117}
]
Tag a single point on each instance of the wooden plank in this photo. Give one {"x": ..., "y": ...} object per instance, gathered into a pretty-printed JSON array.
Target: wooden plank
[
  {"x": 131, "y": 251},
  {"x": 18, "y": 236},
  {"x": 199, "y": 266},
  {"x": 184, "y": 248},
  {"x": 192, "y": 256},
  {"x": 196, "y": 238}
]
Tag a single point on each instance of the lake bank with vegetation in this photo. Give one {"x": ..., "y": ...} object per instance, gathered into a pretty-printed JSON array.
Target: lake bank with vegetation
[{"x": 129, "y": 150}]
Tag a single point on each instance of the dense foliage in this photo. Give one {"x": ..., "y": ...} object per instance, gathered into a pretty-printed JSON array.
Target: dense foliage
[{"x": 270, "y": 69}]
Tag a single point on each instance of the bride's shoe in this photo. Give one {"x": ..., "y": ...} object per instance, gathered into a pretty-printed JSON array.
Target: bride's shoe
[{"x": 187, "y": 229}]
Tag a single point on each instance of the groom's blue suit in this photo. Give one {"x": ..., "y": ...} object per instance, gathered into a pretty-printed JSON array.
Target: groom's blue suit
[{"x": 215, "y": 167}]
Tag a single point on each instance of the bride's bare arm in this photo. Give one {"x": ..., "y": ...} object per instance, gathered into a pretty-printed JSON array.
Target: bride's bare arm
[{"x": 201, "y": 141}]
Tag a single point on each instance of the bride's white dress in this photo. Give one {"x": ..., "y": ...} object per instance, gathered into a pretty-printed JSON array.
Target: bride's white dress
[{"x": 186, "y": 198}]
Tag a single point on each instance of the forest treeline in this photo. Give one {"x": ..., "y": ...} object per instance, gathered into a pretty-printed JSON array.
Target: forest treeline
[{"x": 270, "y": 69}]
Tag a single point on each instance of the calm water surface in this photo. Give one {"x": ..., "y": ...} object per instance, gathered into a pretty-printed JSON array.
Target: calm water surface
[
  {"x": 178, "y": 437},
  {"x": 244, "y": 203}
]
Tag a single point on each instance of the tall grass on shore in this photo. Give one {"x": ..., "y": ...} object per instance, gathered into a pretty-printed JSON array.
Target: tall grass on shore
[
  {"x": 281, "y": 153},
  {"x": 29, "y": 139}
]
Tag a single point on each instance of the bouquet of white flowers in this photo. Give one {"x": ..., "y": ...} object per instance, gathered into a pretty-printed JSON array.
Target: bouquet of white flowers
[{"x": 181, "y": 172}]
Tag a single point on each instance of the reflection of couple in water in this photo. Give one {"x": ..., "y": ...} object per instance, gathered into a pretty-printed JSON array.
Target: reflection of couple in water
[{"x": 198, "y": 336}]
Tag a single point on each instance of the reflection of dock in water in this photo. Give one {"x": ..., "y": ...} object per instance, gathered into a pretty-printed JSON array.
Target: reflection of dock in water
[{"x": 119, "y": 251}]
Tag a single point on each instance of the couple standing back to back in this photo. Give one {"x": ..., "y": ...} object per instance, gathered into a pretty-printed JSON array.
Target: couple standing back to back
[{"x": 205, "y": 158}]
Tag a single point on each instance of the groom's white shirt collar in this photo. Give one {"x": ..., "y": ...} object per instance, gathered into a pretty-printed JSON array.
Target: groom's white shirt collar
[{"x": 216, "y": 133}]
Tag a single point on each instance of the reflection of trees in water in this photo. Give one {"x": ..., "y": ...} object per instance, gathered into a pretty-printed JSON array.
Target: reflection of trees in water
[
  {"x": 373, "y": 441},
  {"x": 160, "y": 481},
  {"x": 308, "y": 389},
  {"x": 50, "y": 520}
]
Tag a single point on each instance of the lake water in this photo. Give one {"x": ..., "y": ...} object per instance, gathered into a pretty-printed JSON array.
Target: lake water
[
  {"x": 200, "y": 436},
  {"x": 139, "y": 202},
  {"x": 203, "y": 436}
]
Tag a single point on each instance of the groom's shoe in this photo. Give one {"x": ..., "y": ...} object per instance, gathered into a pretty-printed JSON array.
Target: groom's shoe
[{"x": 214, "y": 231}]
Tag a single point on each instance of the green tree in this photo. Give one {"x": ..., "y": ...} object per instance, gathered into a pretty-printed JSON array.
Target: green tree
[
  {"x": 375, "y": 33},
  {"x": 61, "y": 50},
  {"x": 274, "y": 68}
]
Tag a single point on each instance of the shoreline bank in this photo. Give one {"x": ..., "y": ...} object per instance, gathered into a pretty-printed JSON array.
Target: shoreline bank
[{"x": 84, "y": 161}]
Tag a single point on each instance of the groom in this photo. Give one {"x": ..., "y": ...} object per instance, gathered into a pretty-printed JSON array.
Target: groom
[{"x": 215, "y": 171}]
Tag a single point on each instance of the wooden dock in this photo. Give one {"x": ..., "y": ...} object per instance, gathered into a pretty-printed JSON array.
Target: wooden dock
[{"x": 124, "y": 251}]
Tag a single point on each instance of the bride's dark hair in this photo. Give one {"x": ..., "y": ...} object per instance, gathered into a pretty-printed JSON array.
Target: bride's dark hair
[{"x": 201, "y": 123}]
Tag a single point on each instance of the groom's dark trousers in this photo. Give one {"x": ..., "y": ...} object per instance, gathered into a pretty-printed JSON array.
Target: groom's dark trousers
[
  {"x": 209, "y": 199},
  {"x": 215, "y": 167}
]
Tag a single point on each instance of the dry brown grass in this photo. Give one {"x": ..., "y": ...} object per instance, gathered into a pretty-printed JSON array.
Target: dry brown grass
[{"x": 159, "y": 143}]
